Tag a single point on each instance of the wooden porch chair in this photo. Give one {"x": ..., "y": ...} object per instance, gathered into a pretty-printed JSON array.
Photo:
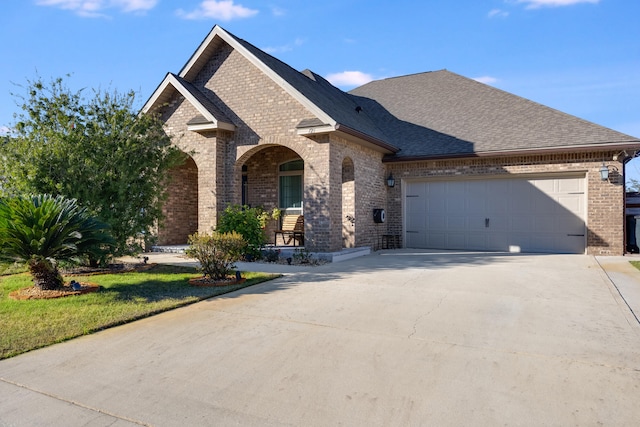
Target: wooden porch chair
[{"x": 292, "y": 229}]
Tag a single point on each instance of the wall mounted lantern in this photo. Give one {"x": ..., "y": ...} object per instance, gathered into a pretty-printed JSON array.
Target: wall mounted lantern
[
  {"x": 604, "y": 172},
  {"x": 391, "y": 182}
]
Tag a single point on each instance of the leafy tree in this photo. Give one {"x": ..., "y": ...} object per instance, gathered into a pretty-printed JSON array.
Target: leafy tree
[
  {"x": 42, "y": 230},
  {"x": 99, "y": 151}
]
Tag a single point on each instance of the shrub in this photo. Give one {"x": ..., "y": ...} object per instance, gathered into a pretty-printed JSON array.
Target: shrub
[
  {"x": 42, "y": 230},
  {"x": 217, "y": 252},
  {"x": 248, "y": 222},
  {"x": 302, "y": 256},
  {"x": 271, "y": 255}
]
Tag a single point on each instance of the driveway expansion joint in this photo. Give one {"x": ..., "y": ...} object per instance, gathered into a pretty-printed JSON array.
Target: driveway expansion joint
[{"x": 74, "y": 403}]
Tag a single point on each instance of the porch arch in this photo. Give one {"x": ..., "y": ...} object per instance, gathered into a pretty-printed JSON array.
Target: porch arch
[
  {"x": 180, "y": 210},
  {"x": 348, "y": 204},
  {"x": 259, "y": 172}
]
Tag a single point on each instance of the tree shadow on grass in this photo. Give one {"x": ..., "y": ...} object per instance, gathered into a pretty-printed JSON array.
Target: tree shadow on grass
[{"x": 161, "y": 283}]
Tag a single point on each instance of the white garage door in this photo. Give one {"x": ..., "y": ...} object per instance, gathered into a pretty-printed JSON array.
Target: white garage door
[{"x": 527, "y": 215}]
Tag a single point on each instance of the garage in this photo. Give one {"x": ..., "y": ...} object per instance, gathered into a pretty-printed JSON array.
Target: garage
[{"x": 542, "y": 214}]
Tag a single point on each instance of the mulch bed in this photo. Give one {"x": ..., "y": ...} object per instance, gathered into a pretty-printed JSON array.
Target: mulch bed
[
  {"x": 203, "y": 281},
  {"x": 35, "y": 293}
]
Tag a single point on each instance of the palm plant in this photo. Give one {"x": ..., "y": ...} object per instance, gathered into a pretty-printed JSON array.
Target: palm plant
[{"x": 42, "y": 230}]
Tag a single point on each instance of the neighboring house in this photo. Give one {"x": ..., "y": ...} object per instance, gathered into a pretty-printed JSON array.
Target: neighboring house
[{"x": 475, "y": 168}]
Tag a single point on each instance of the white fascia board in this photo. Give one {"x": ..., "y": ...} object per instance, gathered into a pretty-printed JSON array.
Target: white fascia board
[
  {"x": 155, "y": 95},
  {"x": 315, "y": 130},
  {"x": 220, "y": 32},
  {"x": 211, "y": 126}
]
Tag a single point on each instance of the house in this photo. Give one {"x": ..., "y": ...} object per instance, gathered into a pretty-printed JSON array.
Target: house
[{"x": 454, "y": 163}]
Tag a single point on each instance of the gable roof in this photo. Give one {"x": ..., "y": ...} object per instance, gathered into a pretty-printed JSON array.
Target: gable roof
[
  {"x": 428, "y": 115},
  {"x": 331, "y": 110},
  {"x": 211, "y": 117},
  {"x": 339, "y": 107},
  {"x": 441, "y": 113}
]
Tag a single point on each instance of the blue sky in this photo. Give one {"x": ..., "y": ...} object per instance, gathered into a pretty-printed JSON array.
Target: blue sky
[{"x": 578, "y": 56}]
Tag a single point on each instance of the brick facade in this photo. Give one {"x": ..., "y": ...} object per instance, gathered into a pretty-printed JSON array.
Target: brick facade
[
  {"x": 343, "y": 181},
  {"x": 181, "y": 208}
]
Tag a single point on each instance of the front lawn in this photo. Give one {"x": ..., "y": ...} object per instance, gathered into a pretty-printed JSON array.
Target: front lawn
[{"x": 29, "y": 324}]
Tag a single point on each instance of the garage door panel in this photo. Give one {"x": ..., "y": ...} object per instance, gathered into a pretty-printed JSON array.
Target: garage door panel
[
  {"x": 455, "y": 223},
  {"x": 497, "y": 242},
  {"x": 571, "y": 185},
  {"x": 456, "y": 240},
  {"x": 416, "y": 239},
  {"x": 572, "y": 202},
  {"x": 436, "y": 222},
  {"x": 539, "y": 215},
  {"x": 416, "y": 204},
  {"x": 541, "y": 241},
  {"x": 436, "y": 240},
  {"x": 476, "y": 241},
  {"x": 520, "y": 203},
  {"x": 545, "y": 185},
  {"x": 476, "y": 223},
  {"x": 455, "y": 204}
]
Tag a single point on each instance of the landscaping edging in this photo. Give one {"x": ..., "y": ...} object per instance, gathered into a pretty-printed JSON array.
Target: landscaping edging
[{"x": 204, "y": 282}]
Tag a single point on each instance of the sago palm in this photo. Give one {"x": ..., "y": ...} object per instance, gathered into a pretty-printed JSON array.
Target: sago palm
[{"x": 43, "y": 229}]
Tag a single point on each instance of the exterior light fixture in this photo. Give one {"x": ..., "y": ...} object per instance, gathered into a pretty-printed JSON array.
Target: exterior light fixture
[
  {"x": 391, "y": 182},
  {"x": 604, "y": 172}
]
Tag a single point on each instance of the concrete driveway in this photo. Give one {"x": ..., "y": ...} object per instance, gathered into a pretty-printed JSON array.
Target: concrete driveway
[{"x": 394, "y": 338}]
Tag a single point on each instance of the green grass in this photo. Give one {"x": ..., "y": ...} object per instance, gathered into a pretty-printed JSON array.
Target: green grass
[
  {"x": 11, "y": 268},
  {"x": 636, "y": 264},
  {"x": 29, "y": 324}
]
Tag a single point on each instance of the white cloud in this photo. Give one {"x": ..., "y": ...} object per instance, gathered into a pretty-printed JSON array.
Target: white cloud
[
  {"x": 536, "y": 4},
  {"x": 349, "y": 78},
  {"x": 94, "y": 8},
  {"x": 497, "y": 13},
  {"x": 136, "y": 5},
  {"x": 276, "y": 11},
  {"x": 486, "y": 80},
  {"x": 224, "y": 10},
  {"x": 284, "y": 48},
  {"x": 4, "y": 130}
]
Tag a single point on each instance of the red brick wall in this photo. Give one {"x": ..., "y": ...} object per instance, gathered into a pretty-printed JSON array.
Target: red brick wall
[{"x": 181, "y": 208}]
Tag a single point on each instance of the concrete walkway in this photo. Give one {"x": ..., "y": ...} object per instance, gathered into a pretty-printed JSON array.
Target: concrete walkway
[{"x": 394, "y": 338}]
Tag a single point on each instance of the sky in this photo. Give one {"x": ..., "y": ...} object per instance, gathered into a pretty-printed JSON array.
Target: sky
[{"x": 581, "y": 57}]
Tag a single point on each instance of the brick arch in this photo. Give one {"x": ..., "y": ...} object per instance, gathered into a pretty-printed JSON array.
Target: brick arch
[
  {"x": 262, "y": 176},
  {"x": 242, "y": 159},
  {"x": 181, "y": 207}
]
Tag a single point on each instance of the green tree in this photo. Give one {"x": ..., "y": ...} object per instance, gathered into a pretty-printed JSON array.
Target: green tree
[
  {"x": 100, "y": 151},
  {"x": 42, "y": 230}
]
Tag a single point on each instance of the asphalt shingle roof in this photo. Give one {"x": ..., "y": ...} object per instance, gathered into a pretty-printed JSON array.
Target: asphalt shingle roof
[
  {"x": 336, "y": 103},
  {"x": 439, "y": 113},
  {"x": 203, "y": 100},
  {"x": 433, "y": 114}
]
